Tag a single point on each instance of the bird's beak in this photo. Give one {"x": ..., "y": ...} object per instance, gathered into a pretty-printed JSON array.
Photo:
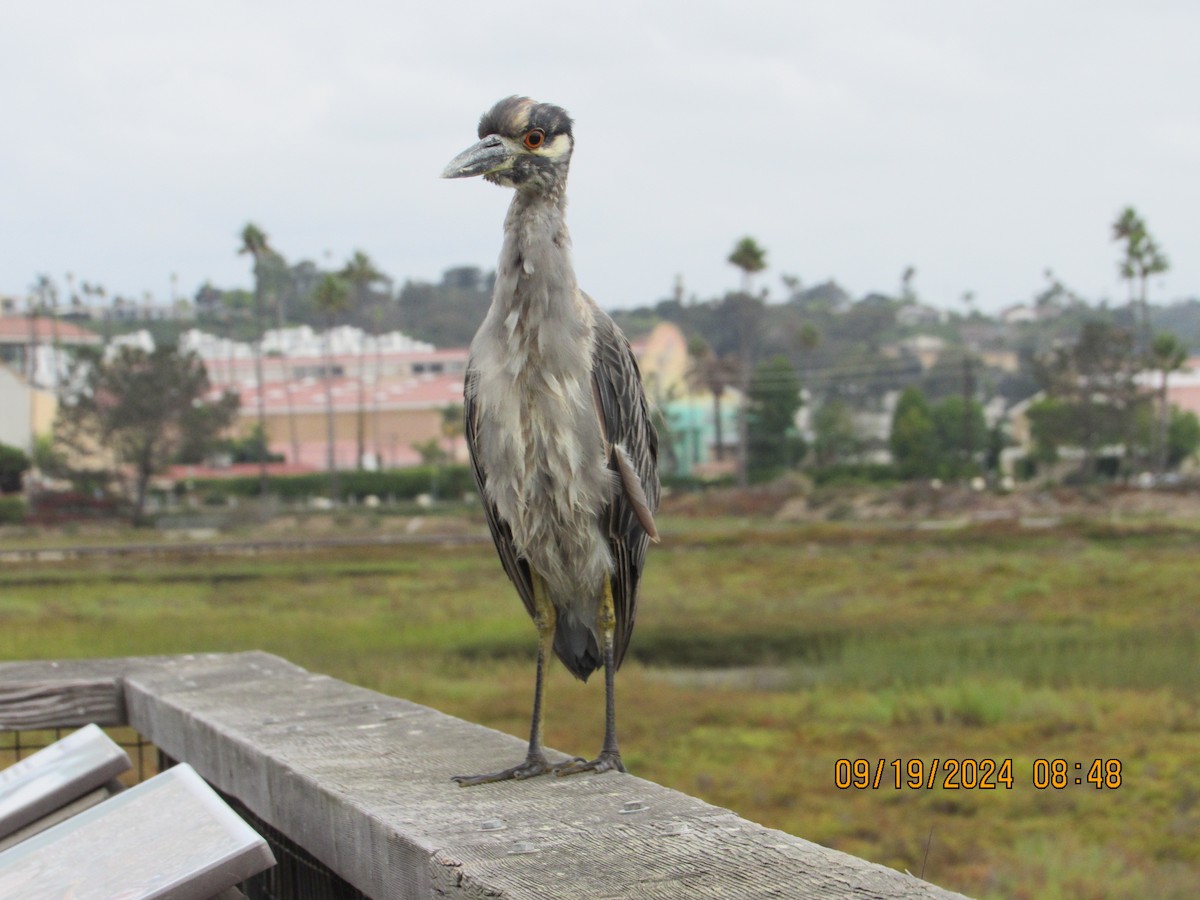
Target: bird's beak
[{"x": 492, "y": 154}]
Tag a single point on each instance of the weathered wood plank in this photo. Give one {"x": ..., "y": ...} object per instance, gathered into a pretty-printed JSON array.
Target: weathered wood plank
[
  {"x": 168, "y": 838},
  {"x": 81, "y": 762},
  {"x": 87, "y": 801},
  {"x": 67, "y": 693},
  {"x": 362, "y": 781},
  {"x": 61, "y": 704}
]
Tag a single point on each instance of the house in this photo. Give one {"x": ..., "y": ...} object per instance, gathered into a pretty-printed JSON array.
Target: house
[
  {"x": 28, "y": 411},
  {"x": 38, "y": 347},
  {"x": 34, "y": 354},
  {"x": 915, "y": 314},
  {"x": 1183, "y": 387},
  {"x": 1020, "y": 313},
  {"x": 1004, "y": 360},
  {"x": 688, "y": 443},
  {"x": 396, "y": 414},
  {"x": 925, "y": 347}
]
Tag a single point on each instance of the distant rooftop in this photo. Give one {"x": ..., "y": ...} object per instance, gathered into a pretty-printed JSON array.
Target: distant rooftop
[{"x": 24, "y": 329}]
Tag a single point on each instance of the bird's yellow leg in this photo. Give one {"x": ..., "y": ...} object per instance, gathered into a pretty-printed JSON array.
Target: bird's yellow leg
[
  {"x": 545, "y": 617},
  {"x": 610, "y": 757}
]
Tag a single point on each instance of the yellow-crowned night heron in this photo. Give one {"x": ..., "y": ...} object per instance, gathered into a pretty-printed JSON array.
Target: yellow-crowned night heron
[{"x": 561, "y": 441}]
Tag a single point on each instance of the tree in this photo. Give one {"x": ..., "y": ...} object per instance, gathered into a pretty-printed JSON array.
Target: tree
[
  {"x": 1183, "y": 437},
  {"x": 361, "y": 273},
  {"x": 13, "y": 464},
  {"x": 47, "y": 293},
  {"x": 836, "y": 438},
  {"x": 751, "y": 258},
  {"x": 1167, "y": 354},
  {"x": 254, "y": 242},
  {"x": 715, "y": 374},
  {"x": 773, "y": 400},
  {"x": 1092, "y": 396},
  {"x": 446, "y": 314},
  {"x": 433, "y": 452},
  {"x": 453, "y": 426},
  {"x": 285, "y": 377},
  {"x": 139, "y": 408},
  {"x": 1141, "y": 259},
  {"x": 914, "y": 437},
  {"x": 907, "y": 294},
  {"x": 961, "y": 432},
  {"x": 249, "y": 448},
  {"x": 332, "y": 297}
]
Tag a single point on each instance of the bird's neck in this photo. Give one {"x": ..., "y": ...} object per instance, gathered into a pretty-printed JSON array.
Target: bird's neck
[
  {"x": 536, "y": 292},
  {"x": 538, "y": 310}
]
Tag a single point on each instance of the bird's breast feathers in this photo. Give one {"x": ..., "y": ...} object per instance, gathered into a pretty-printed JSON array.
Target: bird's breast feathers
[
  {"x": 539, "y": 441},
  {"x": 539, "y": 432}
]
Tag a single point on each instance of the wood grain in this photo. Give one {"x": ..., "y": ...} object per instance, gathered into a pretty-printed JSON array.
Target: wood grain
[{"x": 362, "y": 781}]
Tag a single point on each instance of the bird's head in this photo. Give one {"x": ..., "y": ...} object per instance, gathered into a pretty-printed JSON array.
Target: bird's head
[{"x": 523, "y": 144}]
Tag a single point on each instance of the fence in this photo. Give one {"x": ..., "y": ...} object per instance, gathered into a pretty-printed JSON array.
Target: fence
[{"x": 353, "y": 790}]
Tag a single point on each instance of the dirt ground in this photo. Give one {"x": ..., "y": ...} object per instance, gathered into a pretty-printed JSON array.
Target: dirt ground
[{"x": 796, "y": 501}]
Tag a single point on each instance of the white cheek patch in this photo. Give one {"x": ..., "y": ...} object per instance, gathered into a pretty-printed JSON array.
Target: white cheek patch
[{"x": 557, "y": 148}]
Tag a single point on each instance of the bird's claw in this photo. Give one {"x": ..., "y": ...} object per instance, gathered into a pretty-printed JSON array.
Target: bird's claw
[
  {"x": 531, "y": 768},
  {"x": 607, "y": 761}
]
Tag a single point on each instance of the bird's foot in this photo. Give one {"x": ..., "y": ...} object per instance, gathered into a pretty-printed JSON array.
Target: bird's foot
[
  {"x": 535, "y": 764},
  {"x": 607, "y": 761}
]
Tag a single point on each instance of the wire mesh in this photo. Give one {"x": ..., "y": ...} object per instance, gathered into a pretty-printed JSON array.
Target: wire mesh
[
  {"x": 17, "y": 745},
  {"x": 297, "y": 875}
]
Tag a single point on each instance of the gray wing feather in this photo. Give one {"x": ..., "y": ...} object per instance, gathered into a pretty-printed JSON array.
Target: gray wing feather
[
  {"x": 515, "y": 567},
  {"x": 633, "y": 457}
]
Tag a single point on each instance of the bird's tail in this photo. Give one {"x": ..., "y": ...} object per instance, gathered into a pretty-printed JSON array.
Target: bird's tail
[{"x": 576, "y": 644}]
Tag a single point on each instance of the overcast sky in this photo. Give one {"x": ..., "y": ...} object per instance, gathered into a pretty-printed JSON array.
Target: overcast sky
[{"x": 980, "y": 143}]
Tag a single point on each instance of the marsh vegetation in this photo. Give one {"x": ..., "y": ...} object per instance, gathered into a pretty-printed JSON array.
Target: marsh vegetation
[{"x": 764, "y": 653}]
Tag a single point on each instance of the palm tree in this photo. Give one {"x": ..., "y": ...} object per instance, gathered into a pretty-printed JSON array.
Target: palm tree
[
  {"x": 453, "y": 427},
  {"x": 1167, "y": 355},
  {"x": 750, "y": 257},
  {"x": 34, "y": 305},
  {"x": 710, "y": 372},
  {"x": 906, "y": 284},
  {"x": 254, "y": 242},
  {"x": 48, "y": 303},
  {"x": 72, "y": 297},
  {"x": 1142, "y": 258},
  {"x": 332, "y": 296},
  {"x": 285, "y": 375},
  {"x": 433, "y": 455},
  {"x": 102, "y": 294},
  {"x": 361, "y": 273},
  {"x": 377, "y": 334},
  {"x": 968, "y": 299}
]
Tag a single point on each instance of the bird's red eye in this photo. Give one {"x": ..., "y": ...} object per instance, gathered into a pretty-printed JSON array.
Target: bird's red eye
[{"x": 535, "y": 138}]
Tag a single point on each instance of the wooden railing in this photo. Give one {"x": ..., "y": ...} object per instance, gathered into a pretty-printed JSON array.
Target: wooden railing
[{"x": 361, "y": 781}]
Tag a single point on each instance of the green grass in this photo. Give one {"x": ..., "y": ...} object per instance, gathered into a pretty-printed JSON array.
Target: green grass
[{"x": 763, "y": 654}]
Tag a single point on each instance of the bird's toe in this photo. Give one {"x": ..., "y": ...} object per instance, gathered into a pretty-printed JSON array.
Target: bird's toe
[
  {"x": 531, "y": 768},
  {"x": 607, "y": 761}
]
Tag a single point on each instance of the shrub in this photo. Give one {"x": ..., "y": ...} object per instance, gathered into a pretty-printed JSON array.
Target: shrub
[
  {"x": 12, "y": 510},
  {"x": 401, "y": 484},
  {"x": 13, "y": 464},
  {"x": 855, "y": 473}
]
